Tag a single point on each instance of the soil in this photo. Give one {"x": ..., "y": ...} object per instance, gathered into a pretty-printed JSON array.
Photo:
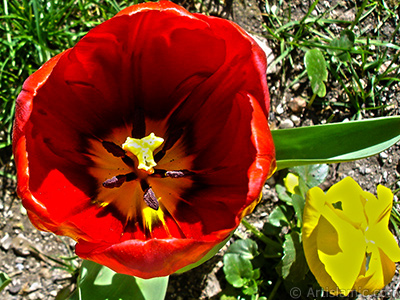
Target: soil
[{"x": 25, "y": 252}]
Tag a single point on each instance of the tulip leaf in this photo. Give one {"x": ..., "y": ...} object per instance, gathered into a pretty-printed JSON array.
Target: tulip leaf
[
  {"x": 248, "y": 249},
  {"x": 101, "y": 283},
  {"x": 4, "y": 280},
  {"x": 332, "y": 143}
]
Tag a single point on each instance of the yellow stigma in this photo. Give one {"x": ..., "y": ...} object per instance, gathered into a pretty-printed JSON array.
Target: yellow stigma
[{"x": 143, "y": 149}]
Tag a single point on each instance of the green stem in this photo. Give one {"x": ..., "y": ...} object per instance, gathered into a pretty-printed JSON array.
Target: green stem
[
  {"x": 311, "y": 100},
  {"x": 275, "y": 289},
  {"x": 261, "y": 236}
]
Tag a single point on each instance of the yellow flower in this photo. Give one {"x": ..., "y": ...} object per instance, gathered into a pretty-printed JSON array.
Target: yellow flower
[
  {"x": 291, "y": 181},
  {"x": 346, "y": 239}
]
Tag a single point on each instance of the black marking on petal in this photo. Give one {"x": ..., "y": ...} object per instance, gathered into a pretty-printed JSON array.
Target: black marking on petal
[
  {"x": 128, "y": 161},
  {"x": 144, "y": 185},
  {"x": 113, "y": 148},
  {"x": 139, "y": 123},
  {"x": 169, "y": 143},
  {"x": 114, "y": 182},
  {"x": 131, "y": 176},
  {"x": 151, "y": 199}
]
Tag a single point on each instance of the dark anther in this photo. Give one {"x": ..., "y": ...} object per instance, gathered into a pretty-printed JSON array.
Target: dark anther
[
  {"x": 151, "y": 199},
  {"x": 178, "y": 174},
  {"x": 139, "y": 123},
  {"x": 114, "y": 149},
  {"x": 114, "y": 182},
  {"x": 171, "y": 140}
]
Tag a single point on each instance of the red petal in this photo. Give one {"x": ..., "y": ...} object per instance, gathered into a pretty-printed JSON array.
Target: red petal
[{"x": 146, "y": 259}]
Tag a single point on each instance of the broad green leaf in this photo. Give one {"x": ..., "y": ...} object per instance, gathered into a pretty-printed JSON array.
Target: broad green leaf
[
  {"x": 101, "y": 283},
  {"x": 298, "y": 203},
  {"x": 317, "y": 72},
  {"x": 250, "y": 288},
  {"x": 332, "y": 143},
  {"x": 282, "y": 194},
  {"x": 246, "y": 248},
  {"x": 313, "y": 175},
  {"x": 293, "y": 265},
  {"x": 4, "y": 280},
  {"x": 238, "y": 270},
  {"x": 278, "y": 216},
  {"x": 342, "y": 45}
]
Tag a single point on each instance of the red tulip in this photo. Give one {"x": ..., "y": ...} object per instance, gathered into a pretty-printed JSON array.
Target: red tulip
[{"x": 148, "y": 141}]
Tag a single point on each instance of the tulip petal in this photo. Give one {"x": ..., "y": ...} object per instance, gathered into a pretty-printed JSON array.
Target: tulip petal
[{"x": 198, "y": 83}]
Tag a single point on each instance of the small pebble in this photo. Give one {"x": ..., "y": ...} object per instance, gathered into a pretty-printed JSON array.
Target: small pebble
[{"x": 287, "y": 123}]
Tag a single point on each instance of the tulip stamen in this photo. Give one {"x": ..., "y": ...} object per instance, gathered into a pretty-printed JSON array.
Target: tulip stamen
[
  {"x": 150, "y": 199},
  {"x": 118, "y": 180},
  {"x": 149, "y": 196}
]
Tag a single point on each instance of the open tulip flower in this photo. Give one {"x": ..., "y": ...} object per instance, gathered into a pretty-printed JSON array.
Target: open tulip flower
[
  {"x": 148, "y": 141},
  {"x": 346, "y": 239}
]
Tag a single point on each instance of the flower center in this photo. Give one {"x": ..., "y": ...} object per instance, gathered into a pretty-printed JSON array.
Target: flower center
[{"x": 143, "y": 149}]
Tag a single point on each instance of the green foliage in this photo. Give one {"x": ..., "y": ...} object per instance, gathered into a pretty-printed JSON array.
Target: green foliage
[
  {"x": 101, "y": 283},
  {"x": 4, "y": 280},
  {"x": 32, "y": 32},
  {"x": 276, "y": 262},
  {"x": 316, "y": 70},
  {"x": 362, "y": 60},
  {"x": 238, "y": 267},
  {"x": 337, "y": 142}
]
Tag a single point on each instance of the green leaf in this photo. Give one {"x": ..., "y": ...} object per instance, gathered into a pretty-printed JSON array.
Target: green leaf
[
  {"x": 282, "y": 194},
  {"x": 332, "y": 143},
  {"x": 248, "y": 249},
  {"x": 278, "y": 216},
  {"x": 298, "y": 205},
  {"x": 342, "y": 45},
  {"x": 101, "y": 283},
  {"x": 313, "y": 175},
  {"x": 316, "y": 69},
  {"x": 251, "y": 288},
  {"x": 293, "y": 265},
  {"x": 238, "y": 270},
  {"x": 4, "y": 280}
]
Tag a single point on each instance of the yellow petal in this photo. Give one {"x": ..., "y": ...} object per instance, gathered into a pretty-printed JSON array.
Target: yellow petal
[
  {"x": 348, "y": 193},
  {"x": 341, "y": 248},
  {"x": 312, "y": 212},
  {"x": 377, "y": 210},
  {"x": 380, "y": 272}
]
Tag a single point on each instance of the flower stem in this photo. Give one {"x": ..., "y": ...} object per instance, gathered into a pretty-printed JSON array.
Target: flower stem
[
  {"x": 275, "y": 289},
  {"x": 261, "y": 236}
]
